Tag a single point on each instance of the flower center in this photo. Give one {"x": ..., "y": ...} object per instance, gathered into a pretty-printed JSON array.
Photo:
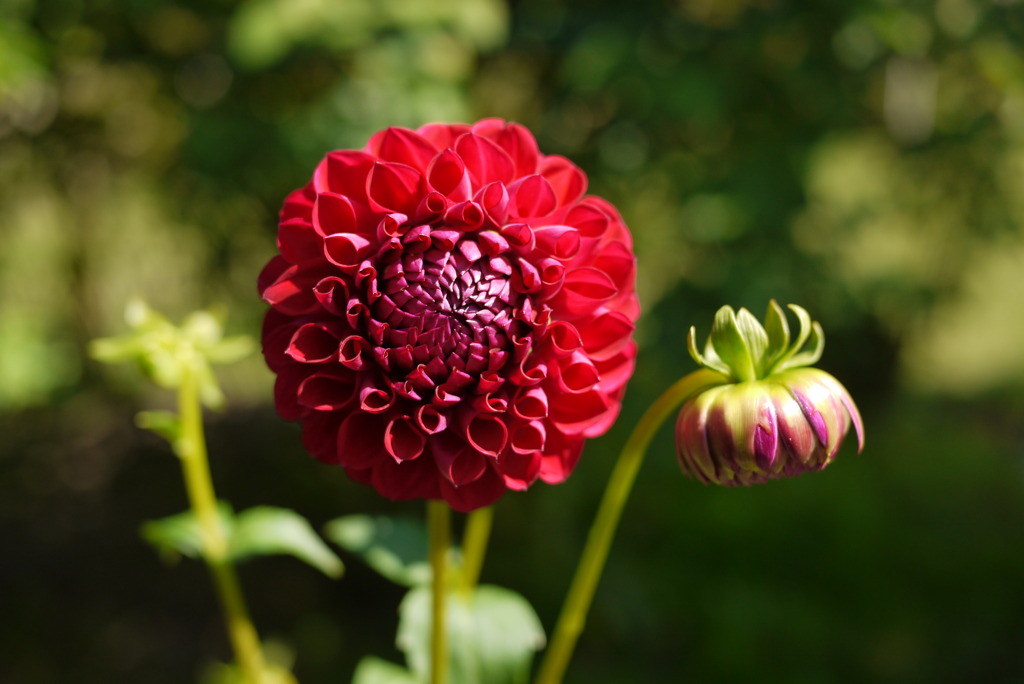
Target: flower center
[{"x": 442, "y": 309}]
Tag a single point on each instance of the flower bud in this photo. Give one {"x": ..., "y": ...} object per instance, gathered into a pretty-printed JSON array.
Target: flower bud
[{"x": 773, "y": 416}]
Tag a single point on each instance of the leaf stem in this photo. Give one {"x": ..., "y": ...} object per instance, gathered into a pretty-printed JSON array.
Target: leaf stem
[
  {"x": 595, "y": 553},
  {"x": 439, "y": 529},
  {"x": 191, "y": 449},
  {"x": 474, "y": 546}
]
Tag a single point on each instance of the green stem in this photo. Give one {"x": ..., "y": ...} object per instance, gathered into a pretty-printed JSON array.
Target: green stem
[
  {"x": 191, "y": 449},
  {"x": 474, "y": 546},
  {"x": 439, "y": 529},
  {"x": 581, "y": 592}
]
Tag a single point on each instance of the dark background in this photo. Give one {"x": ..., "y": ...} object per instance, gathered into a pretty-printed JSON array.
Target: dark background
[{"x": 863, "y": 158}]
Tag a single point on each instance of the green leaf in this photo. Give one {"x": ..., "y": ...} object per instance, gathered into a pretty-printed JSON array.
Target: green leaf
[
  {"x": 268, "y": 530},
  {"x": 394, "y": 547},
  {"x": 493, "y": 634},
  {"x": 181, "y": 534},
  {"x": 164, "y": 423},
  {"x": 259, "y": 531},
  {"x": 371, "y": 670}
]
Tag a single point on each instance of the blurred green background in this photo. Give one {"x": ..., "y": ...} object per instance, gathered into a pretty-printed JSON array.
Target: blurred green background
[{"x": 864, "y": 158}]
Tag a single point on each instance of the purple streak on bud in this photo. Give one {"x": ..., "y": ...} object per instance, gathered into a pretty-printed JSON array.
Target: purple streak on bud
[
  {"x": 815, "y": 418},
  {"x": 765, "y": 444}
]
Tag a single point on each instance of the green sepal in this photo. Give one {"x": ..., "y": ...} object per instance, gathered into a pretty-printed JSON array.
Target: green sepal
[
  {"x": 815, "y": 347},
  {"x": 756, "y": 339},
  {"x": 728, "y": 344},
  {"x": 711, "y": 362},
  {"x": 394, "y": 547},
  {"x": 777, "y": 327},
  {"x": 493, "y": 634},
  {"x": 742, "y": 349}
]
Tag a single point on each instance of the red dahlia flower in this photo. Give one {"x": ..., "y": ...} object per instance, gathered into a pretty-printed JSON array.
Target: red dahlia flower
[{"x": 450, "y": 315}]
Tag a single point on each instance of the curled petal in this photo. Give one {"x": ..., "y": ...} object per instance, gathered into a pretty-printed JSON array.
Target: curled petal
[
  {"x": 528, "y": 438},
  {"x": 480, "y": 492},
  {"x": 334, "y": 213},
  {"x": 344, "y": 173},
  {"x": 333, "y": 294},
  {"x": 520, "y": 469},
  {"x": 531, "y": 197},
  {"x": 403, "y": 440},
  {"x": 403, "y": 146},
  {"x": 584, "y": 290},
  {"x": 376, "y": 399},
  {"x": 298, "y": 241},
  {"x": 346, "y": 250},
  {"x": 394, "y": 187},
  {"x": 576, "y": 415},
  {"x": 405, "y": 480},
  {"x": 313, "y": 343},
  {"x": 576, "y": 374},
  {"x": 430, "y": 420},
  {"x": 561, "y": 453},
  {"x": 360, "y": 440},
  {"x": 447, "y": 174},
  {"x": 485, "y": 161},
  {"x": 588, "y": 218},
  {"x": 564, "y": 338},
  {"x": 487, "y": 434},
  {"x": 298, "y": 204},
  {"x": 560, "y": 242},
  {"x": 458, "y": 462},
  {"x": 291, "y": 293},
  {"x": 325, "y": 391},
  {"x": 531, "y": 404},
  {"x": 566, "y": 179},
  {"x": 493, "y": 197},
  {"x": 606, "y": 334},
  {"x": 519, "y": 235},
  {"x": 443, "y": 135},
  {"x": 521, "y": 147}
]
